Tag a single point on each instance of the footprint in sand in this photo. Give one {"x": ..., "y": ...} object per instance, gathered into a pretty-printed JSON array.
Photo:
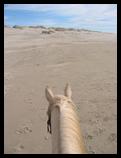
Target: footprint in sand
[
  {"x": 98, "y": 131},
  {"x": 106, "y": 118},
  {"x": 6, "y": 89},
  {"x": 112, "y": 137},
  {"x": 90, "y": 151},
  {"x": 24, "y": 130},
  {"x": 18, "y": 148}
]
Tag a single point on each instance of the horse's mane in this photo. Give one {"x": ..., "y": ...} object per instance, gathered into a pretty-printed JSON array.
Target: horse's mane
[{"x": 64, "y": 114}]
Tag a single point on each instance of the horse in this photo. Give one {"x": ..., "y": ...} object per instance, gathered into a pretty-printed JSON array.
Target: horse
[{"x": 63, "y": 123}]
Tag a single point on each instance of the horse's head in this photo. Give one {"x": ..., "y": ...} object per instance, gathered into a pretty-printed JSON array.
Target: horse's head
[
  {"x": 52, "y": 99},
  {"x": 56, "y": 100}
]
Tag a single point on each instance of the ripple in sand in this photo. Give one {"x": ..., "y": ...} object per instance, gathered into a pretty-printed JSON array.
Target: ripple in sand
[{"x": 61, "y": 64}]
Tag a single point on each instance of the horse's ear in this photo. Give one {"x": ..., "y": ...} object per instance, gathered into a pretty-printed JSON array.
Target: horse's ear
[
  {"x": 49, "y": 95},
  {"x": 68, "y": 92}
]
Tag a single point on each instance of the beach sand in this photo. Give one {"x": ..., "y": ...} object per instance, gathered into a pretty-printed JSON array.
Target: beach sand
[{"x": 32, "y": 60}]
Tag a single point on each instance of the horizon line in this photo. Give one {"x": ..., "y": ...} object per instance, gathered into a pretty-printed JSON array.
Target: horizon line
[{"x": 85, "y": 29}]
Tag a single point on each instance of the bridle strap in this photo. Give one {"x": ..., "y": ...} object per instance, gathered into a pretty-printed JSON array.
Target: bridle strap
[{"x": 49, "y": 124}]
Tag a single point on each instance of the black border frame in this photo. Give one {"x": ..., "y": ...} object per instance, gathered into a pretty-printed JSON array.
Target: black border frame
[{"x": 2, "y": 64}]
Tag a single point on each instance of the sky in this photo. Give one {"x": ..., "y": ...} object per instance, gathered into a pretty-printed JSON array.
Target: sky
[{"x": 97, "y": 17}]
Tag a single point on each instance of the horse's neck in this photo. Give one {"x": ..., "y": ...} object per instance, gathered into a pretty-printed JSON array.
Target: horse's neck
[
  {"x": 66, "y": 134},
  {"x": 55, "y": 125},
  {"x": 70, "y": 132}
]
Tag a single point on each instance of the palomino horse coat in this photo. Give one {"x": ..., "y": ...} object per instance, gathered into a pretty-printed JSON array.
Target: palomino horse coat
[{"x": 63, "y": 123}]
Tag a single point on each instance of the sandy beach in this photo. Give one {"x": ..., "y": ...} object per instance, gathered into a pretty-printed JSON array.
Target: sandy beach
[{"x": 33, "y": 59}]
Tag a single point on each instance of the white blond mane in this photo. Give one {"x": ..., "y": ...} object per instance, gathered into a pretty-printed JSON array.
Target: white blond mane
[{"x": 64, "y": 124}]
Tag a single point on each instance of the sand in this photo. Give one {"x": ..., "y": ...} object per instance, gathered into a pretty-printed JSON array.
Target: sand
[{"x": 32, "y": 60}]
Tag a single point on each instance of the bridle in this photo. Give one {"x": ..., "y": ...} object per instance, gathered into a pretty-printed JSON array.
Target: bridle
[{"x": 49, "y": 124}]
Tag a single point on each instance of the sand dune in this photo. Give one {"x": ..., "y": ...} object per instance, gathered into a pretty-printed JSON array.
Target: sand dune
[{"x": 34, "y": 59}]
